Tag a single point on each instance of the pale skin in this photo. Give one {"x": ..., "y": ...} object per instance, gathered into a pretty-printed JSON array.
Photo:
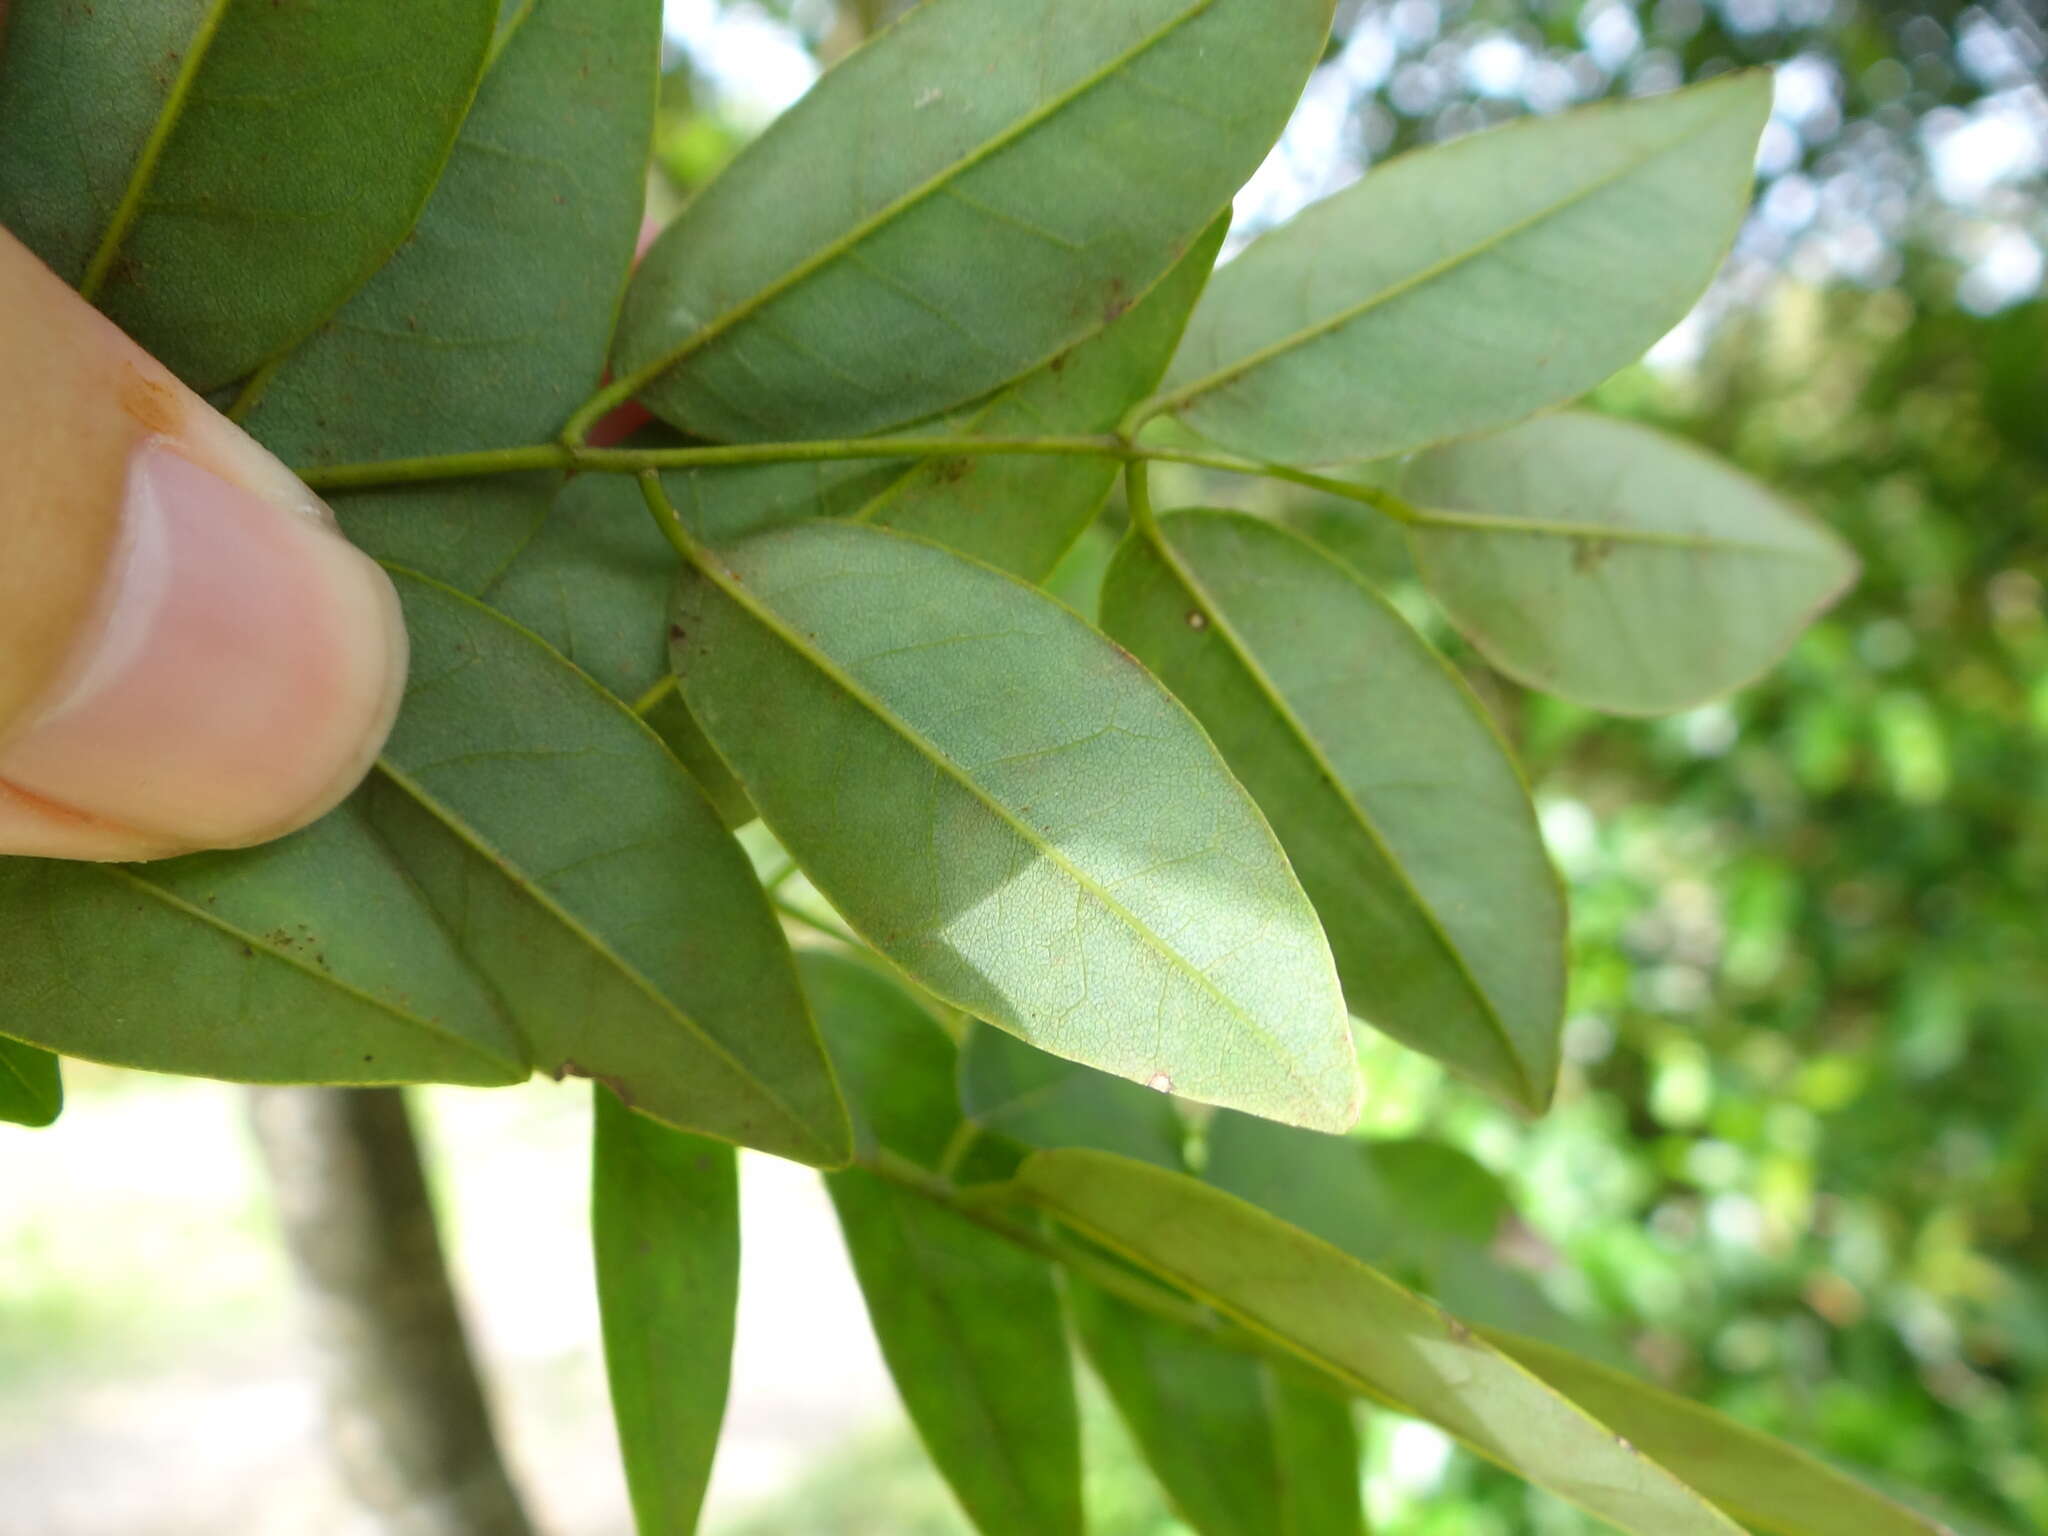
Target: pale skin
[{"x": 191, "y": 656}]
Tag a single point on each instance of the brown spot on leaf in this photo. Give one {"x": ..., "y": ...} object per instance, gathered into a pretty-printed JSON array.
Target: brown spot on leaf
[
  {"x": 1590, "y": 554},
  {"x": 1197, "y": 619}
]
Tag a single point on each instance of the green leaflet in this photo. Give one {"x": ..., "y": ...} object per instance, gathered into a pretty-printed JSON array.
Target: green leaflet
[
  {"x": 1769, "y": 1486},
  {"x": 665, "y": 1226},
  {"x": 31, "y": 1085},
  {"x": 1395, "y": 798},
  {"x": 986, "y": 184},
  {"x": 1020, "y": 513},
  {"x": 220, "y": 176},
  {"x": 310, "y": 960},
  {"x": 1039, "y": 1100},
  {"x": 1363, "y": 1330},
  {"x": 1009, "y": 808},
  {"x": 1423, "y": 1212},
  {"x": 1617, "y": 566},
  {"x": 1458, "y": 288},
  {"x": 1239, "y": 1448},
  {"x": 585, "y": 875},
  {"x": 968, "y": 1322},
  {"x": 490, "y": 325}
]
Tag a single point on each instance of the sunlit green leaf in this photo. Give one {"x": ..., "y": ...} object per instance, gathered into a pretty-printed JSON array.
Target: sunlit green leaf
[
  {"x": 1458, "y": 288},
  {"x": 1239, "y": 1450},
  {"x": 1008, "y": 807},
  {"x": 1768, "y": 1485},
  {"x": 218, "y": 176},
  {"x": 1020, "y": 512},
  {"x": 1366, "y": 1332},
  {"x": 586, "y": 876},
  {"x": 665, "y": 1225},
  {"x": 969, "y": 1323},
  {"x": 31, "y": 1084},
  {"x": 980, "y": 188},
  {"x": 1616, "y": 566},
  {"x": 1397, "y": 802}
]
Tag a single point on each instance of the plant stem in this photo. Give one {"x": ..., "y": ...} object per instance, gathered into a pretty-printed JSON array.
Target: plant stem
[
  {"x": 409, "y": 1426},
  {"x": 633, "y": 461}
]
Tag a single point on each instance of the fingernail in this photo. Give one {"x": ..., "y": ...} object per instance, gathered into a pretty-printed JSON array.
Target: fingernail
[{"x": 242, "y": 673}]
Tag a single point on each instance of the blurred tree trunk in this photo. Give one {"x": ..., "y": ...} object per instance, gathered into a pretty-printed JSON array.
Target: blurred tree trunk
[{"x": 407, "y": 1423}]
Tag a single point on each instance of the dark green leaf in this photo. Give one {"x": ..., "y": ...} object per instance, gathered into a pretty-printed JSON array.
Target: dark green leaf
[
  {"x": 1613, "y": 565},
  {"x": 1766, "y": 1484},
  {"x": 584, "y": 873},
  {"x": 1239, "y": 1452},
  {"x": 969, "y": 1322},
  {"x": 218, "y": 176},
  {"x": 491, "y": 324},
  {"x": 894, "y": 1060},
  {"x": 1364, "y": 1331},
  {"x": 1394, "y": 796},
  {"x": 665, "y": 1224},
  {"x": 970, "y": 1326},
  {"x": 981, "y": 188},
  {"x": 1040, "y": 1100},
  {"x": 1009, "y": 808},
  {"x": 31, "y": 1085},
  {"x": 1458, "y": 288}
]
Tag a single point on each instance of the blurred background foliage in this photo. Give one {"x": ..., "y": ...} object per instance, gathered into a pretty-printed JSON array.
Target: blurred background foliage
[{"x": 1797, "y": 1169}]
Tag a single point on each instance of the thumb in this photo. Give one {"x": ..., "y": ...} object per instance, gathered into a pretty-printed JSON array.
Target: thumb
[{"x": 190, "y": 655}]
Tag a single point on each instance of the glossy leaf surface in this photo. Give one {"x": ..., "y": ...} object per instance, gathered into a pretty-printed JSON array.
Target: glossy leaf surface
[
  {"x": 1409, "y": 825},
  {"x": 1013, "y": 811},
  {"x": 1074, "y": 148},
  {"x": 969, "y": 1323},
  {"x": 1766, "y": 1484},
  {"x": 31, "y": 1085},
  {"x": 491, "y": 324},
  {"x": 218, "y": 176},
  {"x": 1458, "y": 288},
  {"x": 665, "y": 1225},
  {"x": 1366, "y": 1332},
  {"x": 1239, "y": 1451},
  {"x": 1616, "y": 566},
  {"x": 585, "y": 875}
]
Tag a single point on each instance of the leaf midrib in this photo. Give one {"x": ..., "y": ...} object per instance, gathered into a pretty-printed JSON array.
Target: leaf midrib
[
  {"x": 738, "y": 594},
  {"x": 1293, "y": 722},
  {"x": 261, "y": 945},
  {"x": 1177, "y": 399},
  {"x": 1429, "y": 518},
  {"x": 704, "y": 335},
  {"x": 143, "y": 172},
  {"x": 471, "y": 838}
]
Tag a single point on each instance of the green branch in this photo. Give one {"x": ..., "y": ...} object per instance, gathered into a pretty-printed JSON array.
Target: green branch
[{"x": 633, "y": 461}]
